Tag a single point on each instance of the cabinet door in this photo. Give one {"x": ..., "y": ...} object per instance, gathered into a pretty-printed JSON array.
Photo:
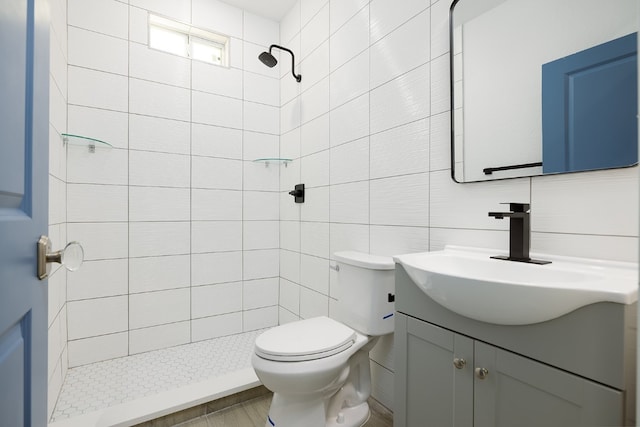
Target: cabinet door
[
  {"x": 521, "y": 392},
  {"x": 430, "y": 390}
]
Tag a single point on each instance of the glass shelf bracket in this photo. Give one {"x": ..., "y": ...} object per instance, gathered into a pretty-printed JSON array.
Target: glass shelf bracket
[{"x": 79, "y": 140}]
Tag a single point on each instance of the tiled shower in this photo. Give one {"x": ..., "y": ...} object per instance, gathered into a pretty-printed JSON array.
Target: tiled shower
[{"x": 187, "y": 238}]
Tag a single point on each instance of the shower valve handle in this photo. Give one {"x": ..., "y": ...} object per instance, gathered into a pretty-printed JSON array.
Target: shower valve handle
[{"x": 298, "y": 193}]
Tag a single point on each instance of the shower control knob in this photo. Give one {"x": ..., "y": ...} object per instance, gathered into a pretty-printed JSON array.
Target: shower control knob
[
  {"x": 482, "y": 373},
  {"x": 459, "y": 363}
]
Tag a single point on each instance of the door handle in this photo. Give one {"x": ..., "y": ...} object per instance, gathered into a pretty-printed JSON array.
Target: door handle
[{"x": 71, "y": 257}]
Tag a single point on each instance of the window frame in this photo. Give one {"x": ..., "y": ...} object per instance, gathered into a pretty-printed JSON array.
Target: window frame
[{"x": 193, "y": 36}]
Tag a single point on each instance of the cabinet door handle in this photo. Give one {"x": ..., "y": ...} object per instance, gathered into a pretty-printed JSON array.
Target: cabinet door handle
[
  {"x": 481, "y": 373},
  {"x": 459, "y": 363}
]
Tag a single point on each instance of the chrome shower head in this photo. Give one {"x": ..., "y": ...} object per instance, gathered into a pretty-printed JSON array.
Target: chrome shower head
[{"x": 270, "y": 61}]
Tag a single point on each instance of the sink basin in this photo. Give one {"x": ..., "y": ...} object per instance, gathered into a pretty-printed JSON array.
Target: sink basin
[{"x": 470, "y": 283}]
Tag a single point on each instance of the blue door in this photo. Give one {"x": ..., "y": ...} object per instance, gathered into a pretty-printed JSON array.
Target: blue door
[
  {"x": 590, "y": 107},
  {"x": 24, "y": 123}
]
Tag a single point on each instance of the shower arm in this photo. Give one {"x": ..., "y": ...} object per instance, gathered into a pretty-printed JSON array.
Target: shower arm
[{"x": 293, "y": 60}]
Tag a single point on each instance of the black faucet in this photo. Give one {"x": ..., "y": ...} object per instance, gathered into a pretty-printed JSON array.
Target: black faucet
[{"x": 519, "y": 233}]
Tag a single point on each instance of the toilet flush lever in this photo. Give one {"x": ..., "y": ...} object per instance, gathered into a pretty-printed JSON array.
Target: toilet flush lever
[{"x": 334, "y": 267}]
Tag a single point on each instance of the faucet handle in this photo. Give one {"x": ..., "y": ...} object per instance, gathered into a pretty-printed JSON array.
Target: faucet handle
[{"x": 517, "y": 207}]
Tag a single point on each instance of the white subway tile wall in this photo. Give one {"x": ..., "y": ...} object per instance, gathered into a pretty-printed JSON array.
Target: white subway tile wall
[
  {"x": 376, "y": 160},
  {"x": 180, "y": 226}
]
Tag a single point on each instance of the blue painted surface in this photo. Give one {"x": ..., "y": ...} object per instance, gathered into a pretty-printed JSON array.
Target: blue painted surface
[
  {"x": 24, "y": 143},
  {"x": 589, "y": 108}
]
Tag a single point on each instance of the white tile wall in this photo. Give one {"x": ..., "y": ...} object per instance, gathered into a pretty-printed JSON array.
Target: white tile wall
[
  {"x": 350, "y": 81},
  {"x": 216, "y": 268},
  {"x": 105, "y": 125},
  {"x": 92, "y": 203},
  {"x": 103, "y": 16},
  {"x": 97, "y": 51},
  {"x": 216, "y": 236},
  {"x": 350, "y": 121},
  {"x": 315, "y": 67},
  {"x": 158, "y": 204},
  {"x": 98, "y": 89},
  {"x": 409, "y": 45},
  {"x": 217, "y": 80},
  {"x": 218, "y": 299},
  {"x": 260, "y": 293},
  {"x": 218, "y": 16},
  {"x": 158, "y": 66},
  {"x": 216, "y": 110},
  {"x": 177, "y": 206},
  {"x": 216, "y": 141},
  {"x": 158, "y": 238},
  {"x": 216, "y": 326},
  {"x": 100, "y": 240},
  {"x": 98, "y": 348},
  {"x": 159, "y": 100},
  {"x": 176, "y": 9},
  {"x": 89, "y": 318},
  {"x": 350, "y": 39},
  {"x": 157, "y": 337},
  {"x": 389, "y": 105},
  {"x": 389, "y": 188},
  {"x": 98, "y": 279},
  {"x": 159, "y": 273},
  {"x": 374, "y": 141},
  {"x": 314, "y": 135},
  {"x": 315, "y": 30},
  {"x": 158, "y": 308}
]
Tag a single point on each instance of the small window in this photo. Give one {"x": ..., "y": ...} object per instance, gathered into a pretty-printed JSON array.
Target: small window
[{"x": 184, "y": 40}]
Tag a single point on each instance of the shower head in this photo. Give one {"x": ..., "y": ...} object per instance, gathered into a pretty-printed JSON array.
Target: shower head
[{"x": 270, "y": 61}]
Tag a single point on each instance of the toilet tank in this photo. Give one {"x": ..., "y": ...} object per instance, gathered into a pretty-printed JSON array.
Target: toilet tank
[{"x": 365, "y": 292}]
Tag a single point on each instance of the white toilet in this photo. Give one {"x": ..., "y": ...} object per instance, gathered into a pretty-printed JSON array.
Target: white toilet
[{"x": 318, "y": 368}]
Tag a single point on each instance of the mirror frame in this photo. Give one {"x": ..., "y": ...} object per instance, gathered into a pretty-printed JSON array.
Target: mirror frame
[{"x": 452, "y": 118}]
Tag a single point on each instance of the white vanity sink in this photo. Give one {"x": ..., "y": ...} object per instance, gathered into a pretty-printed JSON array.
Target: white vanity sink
[{"x": 468, "y": 282}]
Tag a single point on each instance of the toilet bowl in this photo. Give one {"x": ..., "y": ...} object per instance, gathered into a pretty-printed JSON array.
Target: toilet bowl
[{"x": 319, "y": 368}]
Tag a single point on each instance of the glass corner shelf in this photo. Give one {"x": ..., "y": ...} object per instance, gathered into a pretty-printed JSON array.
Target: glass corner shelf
[
  {"x": 85, "y": 141},
  {"x": 275, "y": 160}
]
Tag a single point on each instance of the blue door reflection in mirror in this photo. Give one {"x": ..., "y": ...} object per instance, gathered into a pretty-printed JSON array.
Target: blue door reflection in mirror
[{"x": 589, "y": 98}]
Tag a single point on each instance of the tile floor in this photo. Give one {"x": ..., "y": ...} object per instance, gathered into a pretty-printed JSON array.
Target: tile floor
[
  {"x": 99, "y": 385},
  {"x": 253, "y": 413}
]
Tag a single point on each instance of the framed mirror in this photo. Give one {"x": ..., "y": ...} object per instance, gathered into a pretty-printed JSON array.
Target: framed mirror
[{"x": 542, "y": 86}]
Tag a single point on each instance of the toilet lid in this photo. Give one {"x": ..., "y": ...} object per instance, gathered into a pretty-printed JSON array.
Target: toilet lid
[{"x": 308, "y": 339}]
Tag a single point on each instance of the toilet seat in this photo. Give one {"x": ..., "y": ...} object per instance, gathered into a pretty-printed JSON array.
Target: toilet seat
[{"x": 308, "y": 339}]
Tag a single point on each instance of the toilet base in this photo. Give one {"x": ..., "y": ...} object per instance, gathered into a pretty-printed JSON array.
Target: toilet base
[
  {"x": 351, "y": 417},
  {"x": 291, "y": 411}
]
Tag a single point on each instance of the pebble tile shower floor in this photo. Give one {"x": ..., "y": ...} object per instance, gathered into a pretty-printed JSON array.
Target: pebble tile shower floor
[{"x": 99, "y": 385}]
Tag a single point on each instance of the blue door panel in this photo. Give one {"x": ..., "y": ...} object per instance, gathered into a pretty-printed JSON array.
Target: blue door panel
[
  {"x": 589, "y": 108},
  {"x": 12, "y": 376},
  {"x": 24, "y": 143}
]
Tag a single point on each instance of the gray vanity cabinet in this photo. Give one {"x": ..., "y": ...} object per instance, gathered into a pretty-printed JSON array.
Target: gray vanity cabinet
[
  {"x": 576, "y": 370},
  {"x": 429, "y": 390},
  {"x": 447, "y": 379}
]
